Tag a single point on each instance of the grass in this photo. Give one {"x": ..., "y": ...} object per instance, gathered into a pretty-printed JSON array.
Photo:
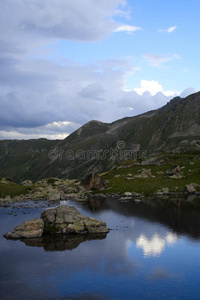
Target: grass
[
  {"x": 13, "y": 189},
  {"x": 189, "y": 163}
]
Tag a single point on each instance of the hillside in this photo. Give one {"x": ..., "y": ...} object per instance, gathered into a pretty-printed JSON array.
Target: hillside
[{"x": 98, "y": 146}]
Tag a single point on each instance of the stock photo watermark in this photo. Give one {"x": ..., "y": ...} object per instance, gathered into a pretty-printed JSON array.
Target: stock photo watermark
[{"x": 119, "y": 152}]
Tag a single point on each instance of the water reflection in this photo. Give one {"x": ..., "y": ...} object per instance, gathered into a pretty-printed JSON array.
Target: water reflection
[
  {"x": 179, "y": 214},
  {"x": 156, "y": 245},
  {"x": 62, "y": 242},
  {"x": 146, "y": 255}
]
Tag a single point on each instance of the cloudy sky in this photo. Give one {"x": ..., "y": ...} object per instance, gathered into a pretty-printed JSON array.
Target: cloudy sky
[{"x": 66, "y": 62}]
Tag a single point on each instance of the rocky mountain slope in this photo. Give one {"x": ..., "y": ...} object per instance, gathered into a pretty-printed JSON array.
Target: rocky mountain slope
[{"x": 98, "y": 146}]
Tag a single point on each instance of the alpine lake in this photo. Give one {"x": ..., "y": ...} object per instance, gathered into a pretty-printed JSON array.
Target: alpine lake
[{"x": 151, "y": 252}]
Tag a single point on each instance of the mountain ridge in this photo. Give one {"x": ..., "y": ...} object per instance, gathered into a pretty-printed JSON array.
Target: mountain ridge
[{"x": 83, "y": 151}]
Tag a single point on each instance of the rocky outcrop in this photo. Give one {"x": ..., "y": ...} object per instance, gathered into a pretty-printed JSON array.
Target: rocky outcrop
[
  {"x": 66, "y": 219},
  {"x": 93, "y": 181},
  {"x": 60, "y": 220}
]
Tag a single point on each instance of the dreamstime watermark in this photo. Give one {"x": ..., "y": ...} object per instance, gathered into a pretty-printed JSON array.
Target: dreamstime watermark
[{"x": 118, "y": 153}]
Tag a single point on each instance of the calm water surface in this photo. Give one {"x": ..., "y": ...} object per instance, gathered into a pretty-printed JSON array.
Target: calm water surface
[{"x": 151, "y": 252}]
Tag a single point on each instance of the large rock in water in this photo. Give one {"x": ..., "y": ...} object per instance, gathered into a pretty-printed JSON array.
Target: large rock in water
[
  {"x": 60, "y": 220},
  {"x": 66, "y": 219}
]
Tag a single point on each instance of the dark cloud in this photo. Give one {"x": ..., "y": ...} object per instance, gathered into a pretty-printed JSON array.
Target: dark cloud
[{"x": 37, "y": 93}]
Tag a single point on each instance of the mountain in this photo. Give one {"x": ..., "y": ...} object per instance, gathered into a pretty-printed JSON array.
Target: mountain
[{"x": 97, "y": 146}]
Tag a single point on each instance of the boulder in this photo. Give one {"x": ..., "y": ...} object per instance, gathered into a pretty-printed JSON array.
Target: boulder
[
  {"x": 128, "y": 194},
  {"x": 66, "y": 219},
  {"x": 163, "y": 191},
  {"x": 27, "y": 229},
  {"x": 146, "y": 173},
  {"x": 174, "y": 170},
  {"x": 93, "y": 181},
  {"x": 189, "y": 189}
]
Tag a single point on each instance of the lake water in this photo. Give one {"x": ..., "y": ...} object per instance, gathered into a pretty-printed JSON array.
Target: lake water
[{"x": 152, "y": 252}]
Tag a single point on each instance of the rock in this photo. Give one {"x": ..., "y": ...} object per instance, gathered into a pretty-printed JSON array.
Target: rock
[
  {"x": 176, "y": 176},
  {"x": 135, "y": 194},
  {"x": 28, "y": 229},
  {"x": 160, "y": 173},
  {"x": 27, "y": 182},
  {"x": 8, "y": 199},
  {"x": 138, "y": 176},
  {"x": 4, "y": 180},
  {"x": 117, "y": 176},
  {"x": 67, "y": 219},
  {"x": 60, "y": 220},
  {"x": 146, "y": 173},
  {"x": 71, "y": 190},
  {"x": 128, "y": 194},
  {"x": 54, "y": 196},
  {"x": 165, "y": 190},
  {"x": 189, "y": 189},
  {"x": 93, "y": 181},
  {"x": 153, "y": 161},
  {"x": 174, "y": 170}
]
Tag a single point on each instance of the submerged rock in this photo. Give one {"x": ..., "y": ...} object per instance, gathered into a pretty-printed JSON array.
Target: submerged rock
[{"x": 60, "y": 220}]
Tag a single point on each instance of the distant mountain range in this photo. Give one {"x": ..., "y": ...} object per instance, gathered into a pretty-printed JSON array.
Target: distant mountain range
[{"x": 97, "y": 146}]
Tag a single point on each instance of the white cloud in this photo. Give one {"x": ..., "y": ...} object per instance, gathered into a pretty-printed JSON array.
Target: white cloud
[
  {"x": 168, "y": 30},
  {"x": 156, "y": 60},
  {"x": 154, "y": 87},
  {"x": 127, "y": 28}
]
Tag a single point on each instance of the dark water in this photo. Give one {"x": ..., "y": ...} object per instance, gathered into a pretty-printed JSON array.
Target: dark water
[{"x": 152, "y": 252}]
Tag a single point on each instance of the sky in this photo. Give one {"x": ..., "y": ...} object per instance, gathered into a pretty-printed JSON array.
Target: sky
[{"x": 64, "y": 63}]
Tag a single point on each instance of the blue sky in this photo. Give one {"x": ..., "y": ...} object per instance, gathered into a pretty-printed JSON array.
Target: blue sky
[{"x": 64, "y": 63}]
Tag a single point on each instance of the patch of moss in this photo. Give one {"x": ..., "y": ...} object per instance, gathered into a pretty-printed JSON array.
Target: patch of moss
[
  {"x": 13, "y": 189},
  {"x": 50, "y": 229}
]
